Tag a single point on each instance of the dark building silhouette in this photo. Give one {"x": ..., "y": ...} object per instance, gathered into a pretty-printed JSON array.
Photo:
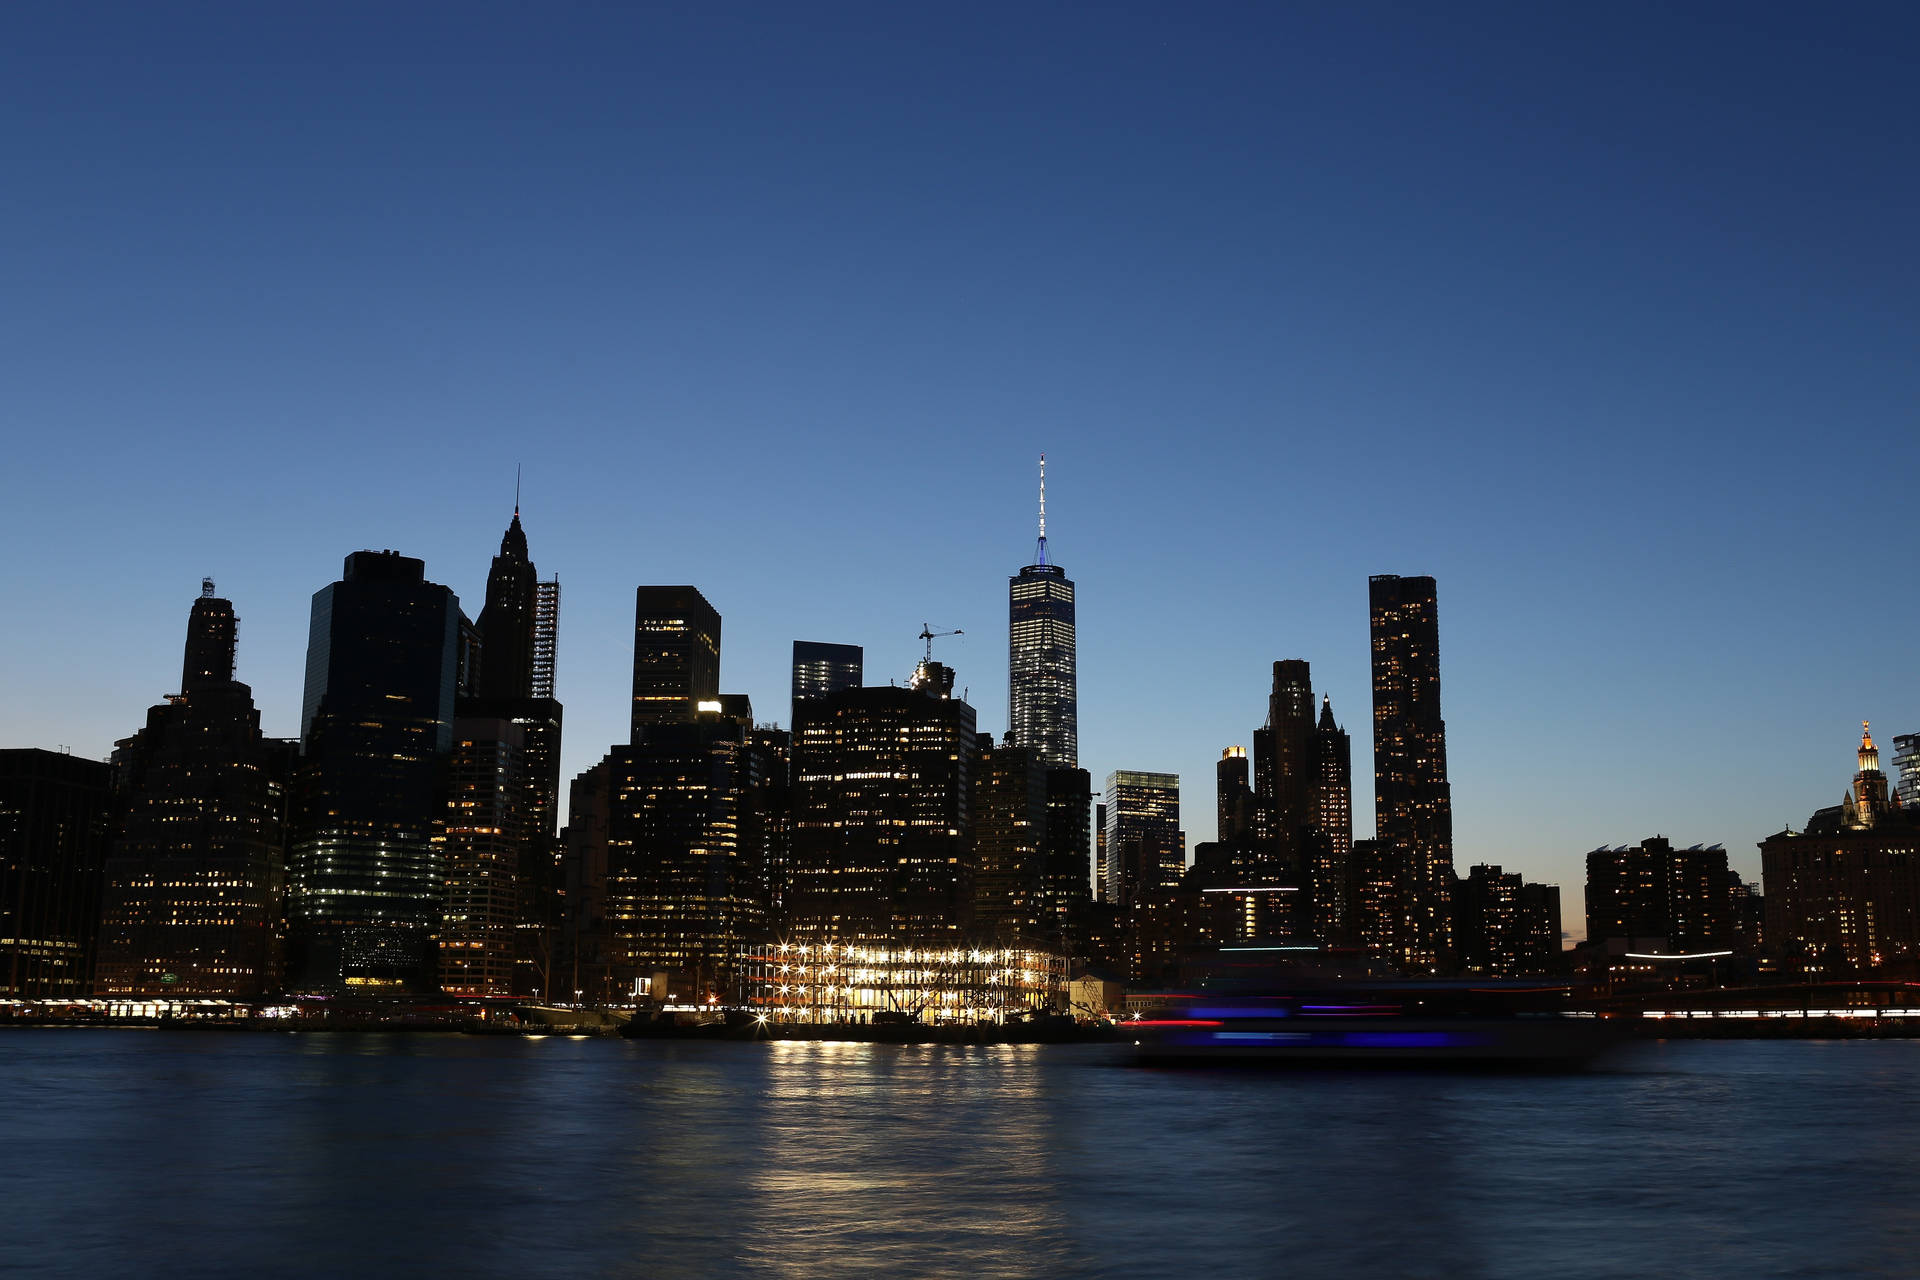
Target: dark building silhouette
[
  {"x": 366, "y": 884},
  {"x": 55, "y": 825},
  {"x": 1043, "y": 708},
  {"x": 1374, "y": 888},
  {"x": 1145, "y": 847},
  {"x": 484, "y": 840},
  {"x": 1066, "y": 888},
  {"x": 1233, "y": 798},
  {"x": 676, "y": 655},
  {"x": 1010, "y": 828},
  {"x": 1413, "y": 804},
  {"x": 518, "y": 642},
  {"x": 883, "y": 812},
  {"x": 197, "y": 878},
  {"x": 820, "y": 669},
  {"x": 1284, "y": 777},
  {"x": 1846, "y": 890},
  {"x": 583, "y": 959},
  {"x": 1654, "y": 891}
]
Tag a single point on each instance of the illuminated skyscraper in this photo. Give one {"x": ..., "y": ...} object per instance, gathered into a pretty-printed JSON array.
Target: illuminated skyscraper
[
  {"x": 1010, "y": 825},
  {"x": 1328, "y": 873},
  {"x": 366, "y": 883},
  {"x": 883, "y": 813},
  {"x": 1413, "y": 804},
  {"x": 193, "y": 895},
  {"x": 676, "y": 655},
  {"x": 484, "y": 844},
  {"x": 1145, "y": 846},
  {"x": 1042, "y": 684}
]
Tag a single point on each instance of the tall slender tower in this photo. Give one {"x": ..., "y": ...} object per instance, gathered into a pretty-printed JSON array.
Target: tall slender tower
[
  {"x": 507, "y": 620},
  {"x": 1413, "y": 804},
  {"x": 1042, "y": 694}
]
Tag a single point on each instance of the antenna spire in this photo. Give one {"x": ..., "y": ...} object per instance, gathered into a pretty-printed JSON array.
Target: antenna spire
[
  {"x": 1043, "y": 510},
  {"x": 516, "y": 489}
]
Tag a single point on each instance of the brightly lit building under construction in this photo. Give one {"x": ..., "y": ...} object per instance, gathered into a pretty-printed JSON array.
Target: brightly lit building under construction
[{"x": 833, "y": 983}]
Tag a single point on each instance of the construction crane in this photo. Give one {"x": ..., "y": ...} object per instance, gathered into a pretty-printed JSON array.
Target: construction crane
[{"x": 928, "y": 634}]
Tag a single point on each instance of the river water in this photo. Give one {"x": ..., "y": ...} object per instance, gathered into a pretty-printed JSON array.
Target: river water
[{"x": 154, "y": 1153}]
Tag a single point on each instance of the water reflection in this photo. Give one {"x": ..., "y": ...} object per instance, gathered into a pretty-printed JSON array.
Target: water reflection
[{"x": 241, "y": 1155}]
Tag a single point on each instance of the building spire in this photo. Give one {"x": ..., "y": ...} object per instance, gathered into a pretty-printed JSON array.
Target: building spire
[
  {"x": 1041, "y": 558},
  {"x": 516, "y": 491}
]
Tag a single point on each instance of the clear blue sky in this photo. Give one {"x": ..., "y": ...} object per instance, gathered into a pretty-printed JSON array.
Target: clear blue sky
[{"x": 1604, "y": 315}]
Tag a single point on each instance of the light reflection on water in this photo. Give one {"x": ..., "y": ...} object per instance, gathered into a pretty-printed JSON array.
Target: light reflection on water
[{"x": 226, "y": 1155}]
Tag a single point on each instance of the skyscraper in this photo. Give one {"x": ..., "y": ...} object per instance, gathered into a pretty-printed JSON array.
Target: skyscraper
[
  {"x": 1010, "y": 826},
  {"x": 1285, "y": 781},
  {"x": 54, "y": 827},
  {"x": 820, "y": 669},
  {"x": 883, "y": 812},
  {"x": 676, "y": 655},
  {"x": 1331, "y": 757},
  {"x": 1233, "y": 797},
  {"x": 518, "y": 639},
  {"x": 483, "y": 842},
  {"x": 366, "y": 884},
  {"x": 194, "y": 885},
  {"x": 1042, "y": 689},
  {"x": 1145, "y": 847},
  {"x": 1413, "y": 804},
  {"x": 1653, "y": 890}
]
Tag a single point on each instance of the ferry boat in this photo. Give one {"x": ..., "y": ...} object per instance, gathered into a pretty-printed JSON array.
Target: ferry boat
[{"x": 1400, "y": 1022}]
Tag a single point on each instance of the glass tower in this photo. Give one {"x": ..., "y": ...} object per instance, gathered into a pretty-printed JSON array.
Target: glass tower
[{"x": 1042, "y": 694}]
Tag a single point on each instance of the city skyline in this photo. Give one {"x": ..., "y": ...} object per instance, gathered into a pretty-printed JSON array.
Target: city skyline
[{"x": 1489, "y": 318}]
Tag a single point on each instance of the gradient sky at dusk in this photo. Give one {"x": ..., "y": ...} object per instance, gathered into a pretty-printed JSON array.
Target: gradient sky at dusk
[{"x": 1606, "y": 316}]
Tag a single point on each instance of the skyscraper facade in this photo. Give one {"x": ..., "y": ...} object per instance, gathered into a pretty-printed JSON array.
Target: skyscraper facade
[
  {"x": 1653, "y": 890},
  {"x": 55, "y": 817},
  {"x": 676, "y": 655},
  {"x": 366, "y": 883},
  {"x": 1233, "y": 798},
  {"x": 1331, "y": 848},
  {"x": 1413, "y": 804},
  {"x": 820, "y": 669},
  {"x": 1043, "y": 709},
  {"x": 1145, "y": 846},
  {"x": 483, "y": 842},
  {"x": 194, "y": 887},
  {"x": 883, "y": 812},
  {"x": 1010, "y": 827}
]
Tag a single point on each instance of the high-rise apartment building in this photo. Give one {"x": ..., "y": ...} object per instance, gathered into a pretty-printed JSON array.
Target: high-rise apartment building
[
  {"x": 195, "y": 884},
  {"x": 820, "y": 669},
  {"x": 55, "y": 814},
  {"x": 676, "y": 655},
  {"x": 1413, "y": 804},
  {"x": 366, "y": 883},
  {"x": 1653, "y": 890},
  {"x": 1145, "y": 847},
  {"x": 1043, "y": 707},
  {"x": 1330, "y": 849},
  {"x": 883, "y": 813},
  {"x": 1506, "y": 927}
]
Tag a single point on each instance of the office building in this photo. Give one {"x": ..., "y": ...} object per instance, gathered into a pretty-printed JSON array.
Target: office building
[
  {"x": 1233, "y": 797},
  {"x": 1507, "y": 928},
  {"x": 1845, "y": 892},
  {"x": 883, "y": 813},
  {"x": 1330, "y": 846},
  {"x": 1145, "y": 847},
  {"x": 366, "y": 884},
  {"x": 1413, "y": 804},
  {"x": 1010, "y": 828},
  {"x": 195, "y": 884},
  {"x": 483, "y": 841},
  {"x": 1042, "y": 681},
  {"x": 820, "y": 669},
  {"x": 676, "y": 656},
  {"x": 55, "y": 826}
]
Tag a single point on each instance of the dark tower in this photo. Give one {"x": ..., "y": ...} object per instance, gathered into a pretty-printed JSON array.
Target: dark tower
[
  {"x": 1284, "y": 776},
  {"x": 1413, "y": 805},
  {"x": 676, "y": 655},
  {"x": 1233, "y": 793},
  {"x": 1042, "y": 682},
  {"x": 1328, "y": 874},
  {"x": 366, "y": 884},
  {"x": 506, "y": 623},
  {"x": 54, "y": 828},
  {"x": 193, "y": 889},
  {"x": 211, "y": 635}
]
